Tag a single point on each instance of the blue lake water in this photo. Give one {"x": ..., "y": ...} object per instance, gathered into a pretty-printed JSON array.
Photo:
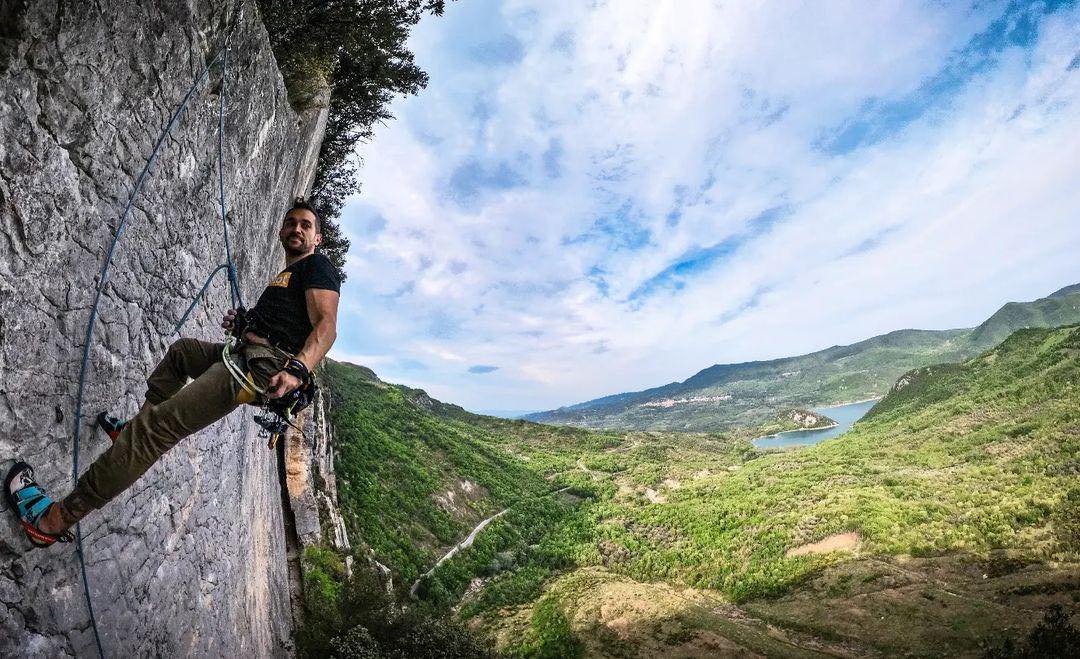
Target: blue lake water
[{"x": 844, "y": 415}]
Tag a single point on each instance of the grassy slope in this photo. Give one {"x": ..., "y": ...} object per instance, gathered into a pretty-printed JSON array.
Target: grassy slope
[
  {"x": 661, "y": 530},
  {"x": 399, "y": 454},
  {"x": 396, "y": 451},
  {"x": 976, "y": 458},
  {"x": 838, "y": 374}
]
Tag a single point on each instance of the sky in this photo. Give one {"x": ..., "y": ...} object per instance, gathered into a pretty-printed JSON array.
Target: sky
[{"x": 597, "y": 197}]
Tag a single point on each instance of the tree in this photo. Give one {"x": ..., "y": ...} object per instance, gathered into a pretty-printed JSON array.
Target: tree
[{"x": 357, "y": 50}]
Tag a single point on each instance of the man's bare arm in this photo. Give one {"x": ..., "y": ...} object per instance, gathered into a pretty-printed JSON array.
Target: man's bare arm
[{"x": 322, "y": 306}]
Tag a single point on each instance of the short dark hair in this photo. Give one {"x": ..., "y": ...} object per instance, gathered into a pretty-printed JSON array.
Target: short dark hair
[{"x": 300, "y": 203}]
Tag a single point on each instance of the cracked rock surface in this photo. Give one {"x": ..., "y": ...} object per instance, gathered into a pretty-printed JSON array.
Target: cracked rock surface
[{"x": 191, "y": 560}]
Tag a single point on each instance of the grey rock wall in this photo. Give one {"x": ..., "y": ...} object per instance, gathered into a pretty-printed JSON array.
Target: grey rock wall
[{"x": 191, "y": 560}]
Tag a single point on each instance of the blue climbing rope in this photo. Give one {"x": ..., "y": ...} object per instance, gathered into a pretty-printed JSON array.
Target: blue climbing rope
[
  {"x": 103, "y": 279},
  {"x": 198, "y": 296},
  {"x": 234, "y": 287},
  {"x": 228, "y": 265}
]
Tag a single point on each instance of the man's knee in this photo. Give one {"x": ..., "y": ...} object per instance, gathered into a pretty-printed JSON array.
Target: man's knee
[
  {"x": 171, "y": 372},
  {"x": 181, "y": 347}
]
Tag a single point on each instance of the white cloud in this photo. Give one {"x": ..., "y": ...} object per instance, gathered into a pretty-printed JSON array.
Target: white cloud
[{"x": 676, "y": 124}]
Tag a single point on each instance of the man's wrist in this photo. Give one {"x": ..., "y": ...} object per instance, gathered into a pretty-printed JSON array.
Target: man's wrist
[
  {"x": 308, "y": 361},
  {"x": 297, "y": 368}
]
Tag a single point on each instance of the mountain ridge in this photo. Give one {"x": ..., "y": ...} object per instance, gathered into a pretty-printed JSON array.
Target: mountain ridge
[{"x": 723, "y": 395}]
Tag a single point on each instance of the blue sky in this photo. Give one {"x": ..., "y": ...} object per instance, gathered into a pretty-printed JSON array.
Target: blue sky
[{"x": 599, "y": 197}]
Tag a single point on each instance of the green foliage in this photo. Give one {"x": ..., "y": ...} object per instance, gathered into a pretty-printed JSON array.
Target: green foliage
[
  {"x": 1054, "y": 637},
  {"x": 550, "y": 634},
  {"x": 977, "y": 458},
  {"x": 355, "y": 51},
  {"x": 965, "y": 458},
  {"x": 1066, "y": 522},
  {"x": 398, "y": 454},
  {"x": 356, "y": 618},
  {"x": 510, "y": 589},
  {"x": 512, "y": 540},
  {"x": 324, "y": 574},
  {"x": 1060, "y": 308},
  {"x": 356, "y": 643}
]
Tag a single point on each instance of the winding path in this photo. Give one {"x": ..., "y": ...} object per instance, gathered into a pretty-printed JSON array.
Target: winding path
[{"x": 467, "y": 542}]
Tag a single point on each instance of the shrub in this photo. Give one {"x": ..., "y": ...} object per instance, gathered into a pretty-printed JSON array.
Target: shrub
[
  {"x": 552, "y": 632},
  {"x": 1051, "y": 638},
  {"x": 1066, "y": 521},
  {"x": 358, "y": 618}
]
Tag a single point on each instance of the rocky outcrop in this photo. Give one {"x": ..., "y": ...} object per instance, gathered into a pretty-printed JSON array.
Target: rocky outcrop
[
  {"x": 190, "y": 561},
  {"x": 311, "y": 483},
  {"x": 309, "y": 490},
  {"x": 805, "y": 419}
]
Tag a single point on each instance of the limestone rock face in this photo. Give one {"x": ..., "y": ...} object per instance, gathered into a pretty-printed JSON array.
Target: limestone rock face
[
  {"x": 311, "y": 482},
  {"x": 191, "y": 560}
]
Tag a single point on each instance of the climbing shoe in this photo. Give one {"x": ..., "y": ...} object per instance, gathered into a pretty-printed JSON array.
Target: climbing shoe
[
  {"x": 110, "y": 424},
  {"x": 30, "y": 503}
]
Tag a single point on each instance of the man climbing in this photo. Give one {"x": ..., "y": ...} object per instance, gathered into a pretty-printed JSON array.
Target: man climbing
[{"x": 286, "y": 334}]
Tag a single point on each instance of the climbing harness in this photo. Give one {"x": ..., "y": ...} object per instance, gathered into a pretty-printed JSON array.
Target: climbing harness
[
  {"x": 278, "y": 413},
  {"x": 220, "y": 58}
]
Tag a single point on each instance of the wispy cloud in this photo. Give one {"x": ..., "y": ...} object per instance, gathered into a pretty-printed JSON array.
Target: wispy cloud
[
  {"x": 606, "y": 196},
  {"x": 881, "y": 118}
]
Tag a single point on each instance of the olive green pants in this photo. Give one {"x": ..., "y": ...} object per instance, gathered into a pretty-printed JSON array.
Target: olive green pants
[{"x": 177, "y": 411}]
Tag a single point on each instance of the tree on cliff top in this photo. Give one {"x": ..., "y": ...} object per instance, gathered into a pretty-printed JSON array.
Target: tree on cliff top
[{"x": 357, "y": 50}]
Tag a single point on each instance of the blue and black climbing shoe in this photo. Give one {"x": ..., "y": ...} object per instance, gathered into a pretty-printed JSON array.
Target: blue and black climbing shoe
[
  {"x": 110, "y": 424},
  {"x": 30, "y": 503}
]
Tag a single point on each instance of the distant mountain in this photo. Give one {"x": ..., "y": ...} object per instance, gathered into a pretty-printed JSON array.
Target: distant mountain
[
  {"x": 1068, "y": 290},
  {"x": 750, "y": 393},
  {"x": 506, "y": 414},
  {"x": 1060, "y": 308}
]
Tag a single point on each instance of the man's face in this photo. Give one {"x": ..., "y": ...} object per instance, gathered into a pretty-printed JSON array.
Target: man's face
[{"x": 299, "y": 235}]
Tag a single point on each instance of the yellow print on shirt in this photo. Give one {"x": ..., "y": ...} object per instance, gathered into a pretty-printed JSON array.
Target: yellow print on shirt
[{"x": 281, "y": 280}]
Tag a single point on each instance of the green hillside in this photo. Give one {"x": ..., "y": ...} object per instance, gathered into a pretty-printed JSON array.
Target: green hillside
[
  {"x": 414, "y": 475},
  {"x": 1060, "y": 308},
  {"x": 944, "y": 521},
  {"x": 730, "y": 395},
  {"x": 966, "y": 469}
]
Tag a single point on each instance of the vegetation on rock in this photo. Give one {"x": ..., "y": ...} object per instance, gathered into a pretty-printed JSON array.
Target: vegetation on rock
[
  {"x": 351, "y": 54},
  {"x": 355, "y": 617}
]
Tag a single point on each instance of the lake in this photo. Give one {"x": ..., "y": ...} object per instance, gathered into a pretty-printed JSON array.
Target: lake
[{"x": 844, "y": 415}]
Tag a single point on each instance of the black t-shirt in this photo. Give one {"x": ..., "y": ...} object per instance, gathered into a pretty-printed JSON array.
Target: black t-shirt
[{"x": 281, "y": 312}]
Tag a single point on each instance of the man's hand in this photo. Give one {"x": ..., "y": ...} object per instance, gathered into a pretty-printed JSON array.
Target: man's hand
[
  {"x": 281, "y": 384},
  {"x": 228, "y": 319}
]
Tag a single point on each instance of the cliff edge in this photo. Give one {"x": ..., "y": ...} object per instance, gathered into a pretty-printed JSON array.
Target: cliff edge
[{"x": 191, "y": 560}]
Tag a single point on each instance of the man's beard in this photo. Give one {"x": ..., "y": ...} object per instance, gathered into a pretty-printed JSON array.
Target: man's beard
[{"x": 298, "y": 250}]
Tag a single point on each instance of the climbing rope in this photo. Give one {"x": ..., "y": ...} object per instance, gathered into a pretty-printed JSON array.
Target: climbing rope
[
  {"x": 103, "y": 279},
  {"x": 234, "y": 287},
  {"x": 228, "y": 265}
]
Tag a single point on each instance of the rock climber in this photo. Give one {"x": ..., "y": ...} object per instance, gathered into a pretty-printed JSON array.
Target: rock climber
[{"x": 281, "y": 340}]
